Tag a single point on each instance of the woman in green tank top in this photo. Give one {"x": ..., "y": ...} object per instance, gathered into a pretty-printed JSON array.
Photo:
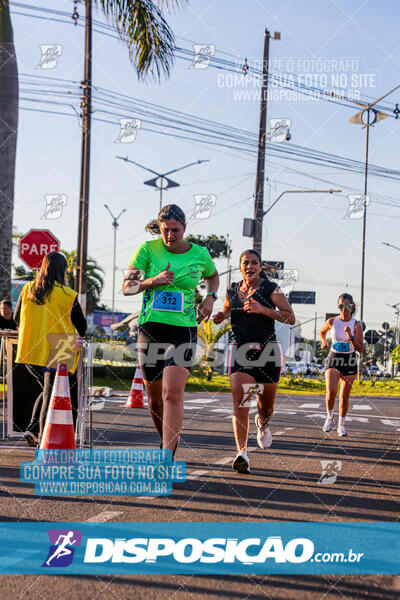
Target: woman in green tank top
[{"x": 167, "y": 270}]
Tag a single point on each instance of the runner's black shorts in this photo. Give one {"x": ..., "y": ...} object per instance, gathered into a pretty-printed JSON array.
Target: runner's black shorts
[
  {"x": 345, "y": 363},
  {"x": 161, "y": 345},
  {"x": 262, "y": 361}
]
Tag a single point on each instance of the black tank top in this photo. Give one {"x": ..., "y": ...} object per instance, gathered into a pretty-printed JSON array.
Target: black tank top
[{"x": 251, "y": 327}]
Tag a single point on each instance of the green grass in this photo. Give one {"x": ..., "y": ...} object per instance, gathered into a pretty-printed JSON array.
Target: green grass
[{"x": 287, "y": 385}]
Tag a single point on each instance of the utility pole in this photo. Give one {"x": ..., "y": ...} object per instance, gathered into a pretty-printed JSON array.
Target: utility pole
[
  {"x": 228, "y": 259},
  {"x": 81, "y": 255},
  {"x": 259, "y": 194},
  {"x": 115, "y": 226}
]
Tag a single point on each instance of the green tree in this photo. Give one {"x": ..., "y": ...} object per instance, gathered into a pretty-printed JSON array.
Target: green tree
[
  {"x": 395, "y": 355},
  {"x": 95, "y": 281},
  {"x": 216, "y": 245},
  {"x": 139, "y": 23},
  {"x": 21, "y": 272},
  {"x": 209, "y": 334}
]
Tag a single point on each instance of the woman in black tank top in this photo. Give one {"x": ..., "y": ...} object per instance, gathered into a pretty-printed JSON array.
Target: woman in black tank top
[{"x": 254, "y": 304}]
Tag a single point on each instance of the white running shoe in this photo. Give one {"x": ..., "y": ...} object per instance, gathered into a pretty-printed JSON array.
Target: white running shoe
[
  {"x": 341, "y": 430},
  {"x": 241, "y": 464},
  {"x": 328, "y": 425},
  {"x": 264, "y": 436}
]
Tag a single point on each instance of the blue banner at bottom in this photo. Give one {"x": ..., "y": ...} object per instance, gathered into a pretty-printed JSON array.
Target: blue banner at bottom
[{"x": 199, "y": 548}]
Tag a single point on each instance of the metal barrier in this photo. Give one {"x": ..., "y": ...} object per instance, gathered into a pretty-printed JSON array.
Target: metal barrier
[{"x": 85, "y": 383}]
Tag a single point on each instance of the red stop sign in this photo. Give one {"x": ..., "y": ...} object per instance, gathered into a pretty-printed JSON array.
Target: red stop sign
[{"x": 34, "y": 245}]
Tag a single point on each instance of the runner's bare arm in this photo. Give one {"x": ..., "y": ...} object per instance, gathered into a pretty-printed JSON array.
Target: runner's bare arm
[
  {"x": 358, "y": 340},
  {"x": 284, "y": 314},
  {"x": 223, "y": 314},
  {"x": 132, "y": 285},
  {"x": 205, "y": 308},
  {"x": 324, "y": 330}
]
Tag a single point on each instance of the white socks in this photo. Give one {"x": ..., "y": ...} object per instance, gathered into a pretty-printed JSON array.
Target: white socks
[
  {"x": 330, "y": 413},
  {"x": 342, "y": 420}
]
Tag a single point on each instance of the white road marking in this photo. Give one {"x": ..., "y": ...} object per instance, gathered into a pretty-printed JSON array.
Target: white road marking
[
  {"x": 196, "y": 474},
  {"x": 200, "y": 401},
  {"x": 323, "y": 416},
  {"x": 224, "y": 461},
  {"x": 107, "y": 515},
  {"x": 360, "y": 419},
  {"x": 289, "y": 428},
  {"x": 278, "y": 433},
  {"x": 361, "y": 407},
  {"x": 310, "y": 405},
  {"x": 221, "y": 410},
  {"x": 394, "y": 422}
]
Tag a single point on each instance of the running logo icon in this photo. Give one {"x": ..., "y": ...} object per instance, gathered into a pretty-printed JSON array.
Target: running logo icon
[
  {"x": 202, "y": 55},
  {"x": 62, "y": 547},
  {"x": 330, "y": 470},
  {"x": 50, "y": 55},
  {"x": 128, "y": 130},
  {"x": 279, "y": 130},
  {"x": 54, "y": 206},
  {"x": 203, "y": 205},
  {"x": 250, "y": 391},
  {"x": 355, "y": 209}
]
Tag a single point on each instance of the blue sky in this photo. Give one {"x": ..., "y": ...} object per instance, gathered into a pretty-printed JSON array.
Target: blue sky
[{"x": 307, "y": 231}]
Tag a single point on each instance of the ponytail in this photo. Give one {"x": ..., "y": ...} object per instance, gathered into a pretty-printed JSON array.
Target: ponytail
[
  {"x": 153, "y": 227},
  {"x": 266, "y": 269},
  {"x": 169, "y": 211}
]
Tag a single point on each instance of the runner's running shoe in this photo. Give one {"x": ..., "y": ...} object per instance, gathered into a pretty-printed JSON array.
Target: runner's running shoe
[
  {"x": 241, "y": 464},
  {"x": 328, "y": 425},
  {"x": 264, "y": 436},
  {"x": 341, "y": 431},
  {"x": 31, "y": 439}
]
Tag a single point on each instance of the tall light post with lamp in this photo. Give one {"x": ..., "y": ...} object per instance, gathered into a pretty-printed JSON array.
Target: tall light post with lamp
[
  {"x": 161, "y": 182},
  {"x": 115, "y": 226}
]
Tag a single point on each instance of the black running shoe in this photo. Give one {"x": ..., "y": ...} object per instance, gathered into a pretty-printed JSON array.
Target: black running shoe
[
  {"x": 241, "y": 464},
  {"x": 31, "y": 439}
]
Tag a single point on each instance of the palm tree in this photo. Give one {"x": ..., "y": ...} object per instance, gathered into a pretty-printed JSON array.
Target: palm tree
[
  {"x": 8, "y": 142},
  {"x": 209, "y": 334},
  {"x": 140, "y": 24},
  {"x": 95, "y": 281}
]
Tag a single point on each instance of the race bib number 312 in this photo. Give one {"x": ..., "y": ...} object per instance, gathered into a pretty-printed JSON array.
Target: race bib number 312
[{"x": 168, "y": 301}]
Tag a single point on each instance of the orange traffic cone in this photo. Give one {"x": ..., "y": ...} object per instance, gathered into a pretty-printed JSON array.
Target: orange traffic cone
[
  {"x": 135, "y": 399},
  {"x": 59, "y": 428}
]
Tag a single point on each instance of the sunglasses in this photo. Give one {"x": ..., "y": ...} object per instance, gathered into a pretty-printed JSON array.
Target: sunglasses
[{"x": 349, "y": 306}]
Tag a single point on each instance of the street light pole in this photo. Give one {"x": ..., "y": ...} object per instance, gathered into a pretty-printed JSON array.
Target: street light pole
[
  {"x": 115, "y": 226},
  {"x": 372, "y": 117},
  {"x": 158, "y": 182},
  {"x": 390, "y": 245},
  {"x": 298, "y": 192},
  {"x": 368, "y": 125}
]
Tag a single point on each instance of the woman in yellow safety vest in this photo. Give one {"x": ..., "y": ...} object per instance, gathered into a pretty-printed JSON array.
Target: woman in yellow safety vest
[{"x": 49, "y": 316}]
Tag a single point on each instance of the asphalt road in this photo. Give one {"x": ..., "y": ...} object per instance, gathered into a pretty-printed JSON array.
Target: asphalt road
[{"x": 284, "y": 485}]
